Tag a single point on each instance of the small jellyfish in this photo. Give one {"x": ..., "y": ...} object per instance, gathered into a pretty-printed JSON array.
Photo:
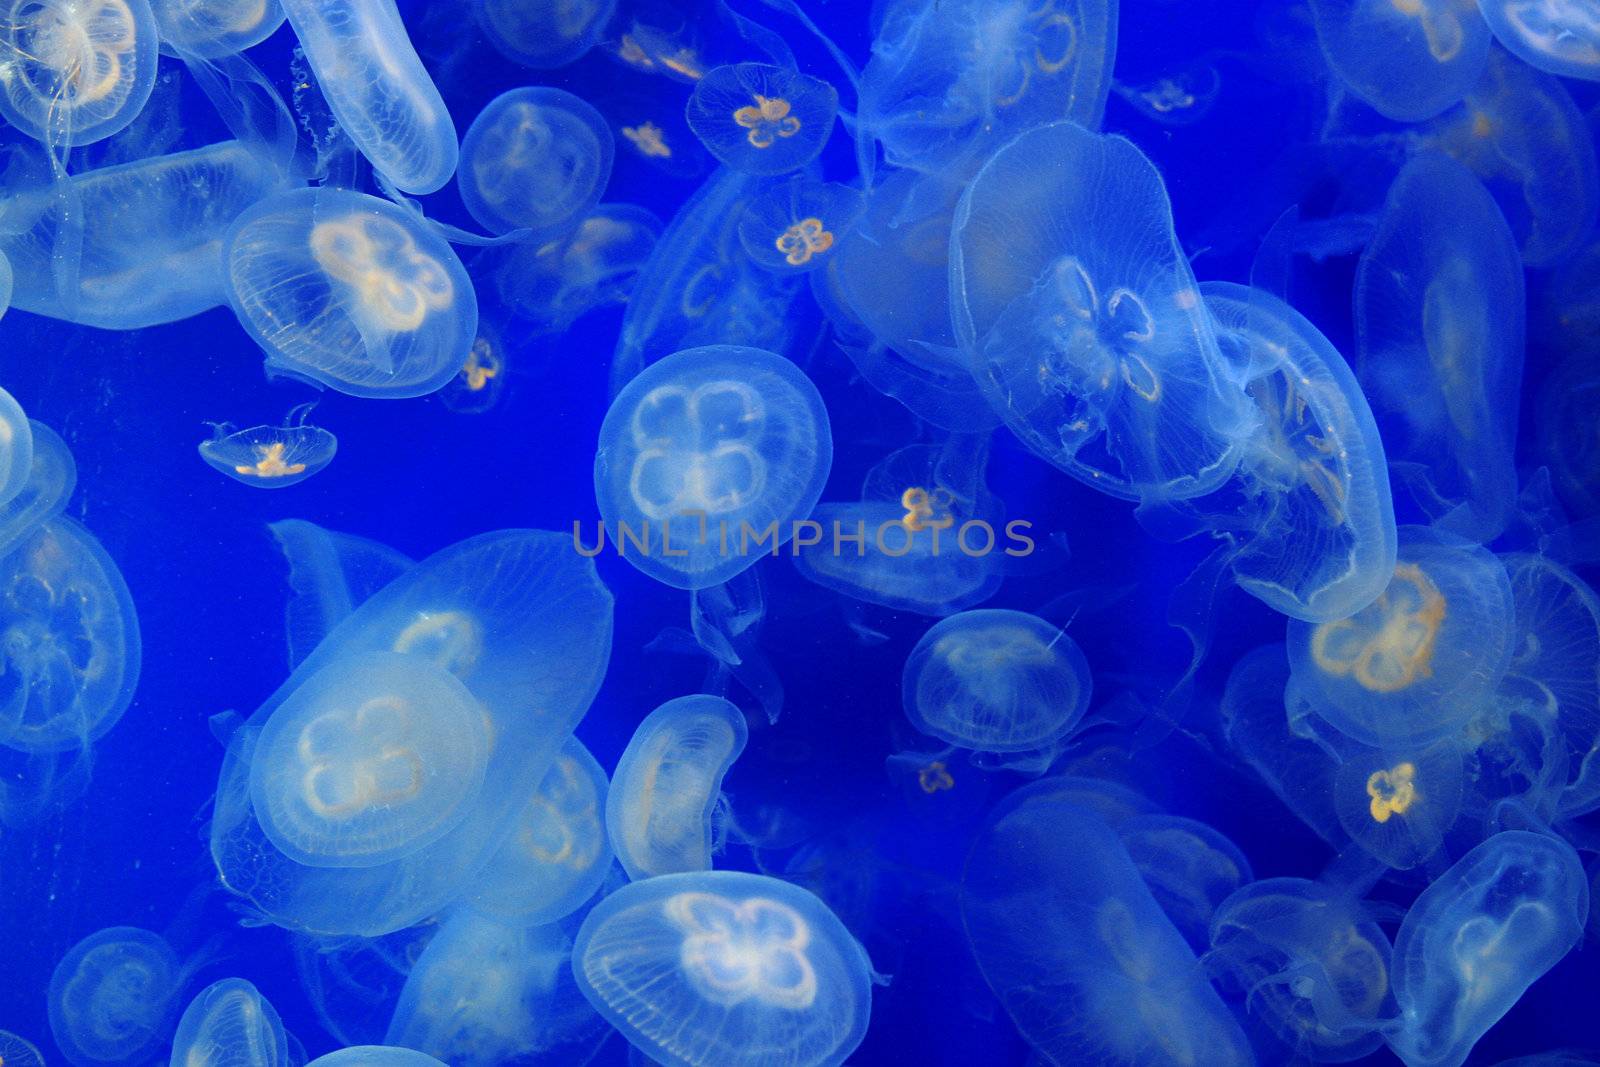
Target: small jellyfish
[
  {"x": 1180, "y": 98},
  {"x": 661, "y": 38},
  {"x": 996, "y": 681},
  {"x": 557, "y": 854},
  {"x": 376, "y": 1056},
  {"x": 1398, "y": 802},
  {"x": 230, "y": 1024},
  {"x": 270, "y": 457},
  {"x": 669, "y": 783},
  {"x": 761, "y": 119},
  {"x": 1478, "y": 937},
  {"x": 543, "y": 36},
  {"x": 16, "y": 448},
  {"x": 553, "y": 283},
  {"x": 111, "y": 997},
  {"x": 651, "y": 127},
  {"x": 706, "y": 459},
  {"x": 477, "y": 386},
  {"x": 1188, "y": 866},
  {"x": 534, "y": 159},
  {"x": 793, "y": 226},
  {"x": 18, "y": 1052},
  {"x": 211, "y": 29},
  {"x": 351, "y": 292},
  {"x": 727, "y": 968},
  {"x": 378, "y": 89},
  {"x": 1557, "y": 36},
  {"x": 1409, "y": 59}
]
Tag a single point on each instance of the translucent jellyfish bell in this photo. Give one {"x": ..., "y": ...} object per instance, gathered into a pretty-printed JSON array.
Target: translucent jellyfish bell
[
  {"x": 211, "y": 29},
  {"x": 710, "y": 455},
  {"x": 1082, "y": 320},
  {"x": 111, "y": 997},
  {"x": 270, "y": 457},
  {"x": 230, "y": 1024},
  {"x": 536, "y": 159},
  {"x": 725, "y": 967},
  {"x": 996, "y": 681},
  {"x": 51, "y": 477},
  {"x": 77, "y": 72},
  {"x": 1557, "y": 36},
  {"x": 669, "y": 781},
  {"x": 351, "y": 292},
  {"x": 18, "y": 1052},
  {"x": 792, "y": 227},
  {"x": 375, "y": 1056},
  {"x": 761, "y": 119},
  {"x": 16, "y": 448},
  {"x": 554, "y": 283},
  {"x": 1188, "y": 866},
  {"x": 372, "y": 758},
  {"x": 1409, "y": 59},
  {"x": 543, "y": 36},
  {"x": 1398, "y": 802}
]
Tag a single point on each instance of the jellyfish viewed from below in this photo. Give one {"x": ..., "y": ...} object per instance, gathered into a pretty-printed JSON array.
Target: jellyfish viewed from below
[
  {"x": 16, "y": 448},
  {"x": 543, "y": 36},
  {"x": 761, "y": 119},
  {"x": 111, "y": 998},
  {"x": 669, "y": 782},
  {"x": 1399, "y": 801},
  {"x": 270, "y": 457},
  {"x": 793, "y": 226},
  {"x": 535, "y": 159},
  {"x": 725, "y": 967},
  {"x": 211, "y": 29},
  {"x": 230, "y": 1024},
  {"x": 1557, "y": 36},
  {"x": 706, "y": 460},
  {"x": 351, "y": 292},
  {"x": 1409, "y": 59}
]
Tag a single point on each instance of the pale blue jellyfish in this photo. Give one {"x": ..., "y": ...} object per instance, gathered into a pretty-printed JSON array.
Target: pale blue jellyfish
[
  {"x": 18, "y": 1052},
  {"x": 270, "y": 457},
  {"x": 1078, "y": 951},
  {"x": 8, "y": 283},
  {"x": 668, "y": 784},
  {"x": 1478, "y": 937},
  {"x": 376, "y": 1056},
  {"x": 378, "y": 89},
  {"x": 1188, "y": 866},
  {"x": 1397, "y": 802},
  {"x": 351, "y": 292},
  {"x": 706, "y": 460},
  {"x": 16, "y": 448},
  {"x": 760, "y": 119},
  {"x": 1409, "y": 59},
  {"x": 1569, "y": 405},
  {"x": 543, "y": 35},
  {"x": 1179, "y": 97},
  {"x": 1321, "y": 545},
  {"x": 1082, "y": 320},
  {"x": 793, "y": 226},
  {"x": 535, "y": 158},
  {"x": 557, "y": 855},
  {"x": 111, "y": 998},
  {"x": 651, "y": 126},
  {"x": 551, "y": 284},
  {"x": 1439, "y": 316},
  {"x": 727, "y": 968},
  {"x": 51, "y": 477},
  {"x": 330, "y": 575},
  {"x": 1558, "y": 36},
  {"x": 230, "y": 1024},
  {"x": 212, "y": 29},
  {"x": 996, "y": 681}
]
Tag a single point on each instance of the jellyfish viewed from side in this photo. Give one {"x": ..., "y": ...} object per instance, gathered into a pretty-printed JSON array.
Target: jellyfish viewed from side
[{"x": 270, "y": 457}]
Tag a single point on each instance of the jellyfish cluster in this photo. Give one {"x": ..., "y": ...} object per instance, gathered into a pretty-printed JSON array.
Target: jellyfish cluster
[{"x": 996, "y": 532}]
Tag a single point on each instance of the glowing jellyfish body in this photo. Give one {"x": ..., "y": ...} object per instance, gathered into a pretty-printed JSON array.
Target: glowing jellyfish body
[
  {"x": 1409, "y": 666},
  {"x": 16, "y": 448},
  {"x": 1409, "y": 59},
  {"x": 996, "y": 681},
  {"x": 330, "y": 575},
  {"x": 1082, "y": 320},
  {"x": 269, "y": 457},
  {"x": 1398, "y": 802},
  {"x": 760, "y": 119},
  {"x": 668, "y": 782},
  {"x": 1478, "y": 936},
  {"x": 1189, "y": 868},
  {"x": 711, "y": 447},
  {"x": 375, "y": 1056},
  {"x": 1323, "y": 547},
  {"x": 77, "y": 72},
  {"x": 18, "y": 1052},
  {"x": 1078, "y": 951},
  {"x": 727, "y": 968},
  {"x": 543, "y": 36},
  {"x": 948, "y": 77},
  {"x": 1439, "y": 316},
  {"x": 1316, "y": 965},
  {"x": 351, "y": 292},
  {"x": 149, "y": 233},
  {"x": 230, "y": 1024},
  {"x": 378, "y": 89},
  {"x": 558, "y": 854},
  {"x": 211, "y": 29},
  {"x": 522, "y": 623},
  {"x": 595, "y": 264},
  {"x": 536, "y": 159},
  {"x": 1558, "y": 36},
  {"x": 793, "y": 227},
  {"x": 111, "y": 997}
]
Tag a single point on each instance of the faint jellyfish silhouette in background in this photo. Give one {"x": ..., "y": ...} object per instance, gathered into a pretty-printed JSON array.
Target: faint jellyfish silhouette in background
[
  {"x": 651, "y": 127},
  {"x": 761, "y": 119},
  {"x": 230, "y": 1024},
  {"x": 1556, "y": 36},
  {"x": 553, "y": 283},
  {"x": 112, "y": 997},
  {"x": 1409, "y": 59},
  {"x": 724, "y": 967},
  {"x": 1180, "y": 97},
  {"x": 211, "y": 29},
  {"x": 1189, "y": 868},
  {"x": 543, "y": 36},
  {"x": 270, "y": 457},
  {"x": 1569, "y": 409},
  {"x": 481, "y": 381},
  {"x": 793, "y": 226}
]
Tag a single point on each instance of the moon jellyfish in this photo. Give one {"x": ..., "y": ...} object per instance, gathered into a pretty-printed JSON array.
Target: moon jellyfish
[
  {"x": 793, "y": 226},
  {"x": 535, "y": 159},
  {"x": 1478, "y": 936},
  {"x": 375, "y": 1056},
  {"x": 761, "y": 119},
  {"x": 1314, "y": 963},
  {"x": 211, "y": 29},
  {"x": 378, "y": 89},
  {"x": 330, "y": 575},
  {"x": 1189, "y": 868},
  {"x": 230, "y": 1024},
  {"x": 719, "y": 449},
  {"x": 18, "y": 1052},
  {"x": 557, "y": 854},
  {"x": 1077, "y": 950},
  {"x": 996, "y": 681},
  {"x": 111, "y": 997},
  {"x": 949, "y": 76},
  {"x": 727, "y": 968},
  {"x": 1439, "y": 315},
  {"x": 16, "y": 448},
  {"x": 651, "y": 127},
  {"x": 1321, "y": 544},
  {"x": 270, "y": 457},
  {"x": 1409, "y": 59},
  {"x": 1179, "y": 98},
  {"x": 1398, "y": 802},
  {"x": 486, "y": 994},
  {"x": 1409, "y": 666},
  {"x": 1083, "y": 322},
  {"x": 1558, "y": 36},
  {"x": 552, "y": 284},
  {"x": 543, "y": 36},
  {"x": 351, "y": 292},
  {"x": 669, "y": 782},
  {"x": 77, "y": 71},
  {"x": 1569, "y": 406}
]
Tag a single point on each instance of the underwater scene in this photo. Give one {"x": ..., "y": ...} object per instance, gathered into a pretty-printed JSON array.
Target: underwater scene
[{"x": 794, "y": 533}]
